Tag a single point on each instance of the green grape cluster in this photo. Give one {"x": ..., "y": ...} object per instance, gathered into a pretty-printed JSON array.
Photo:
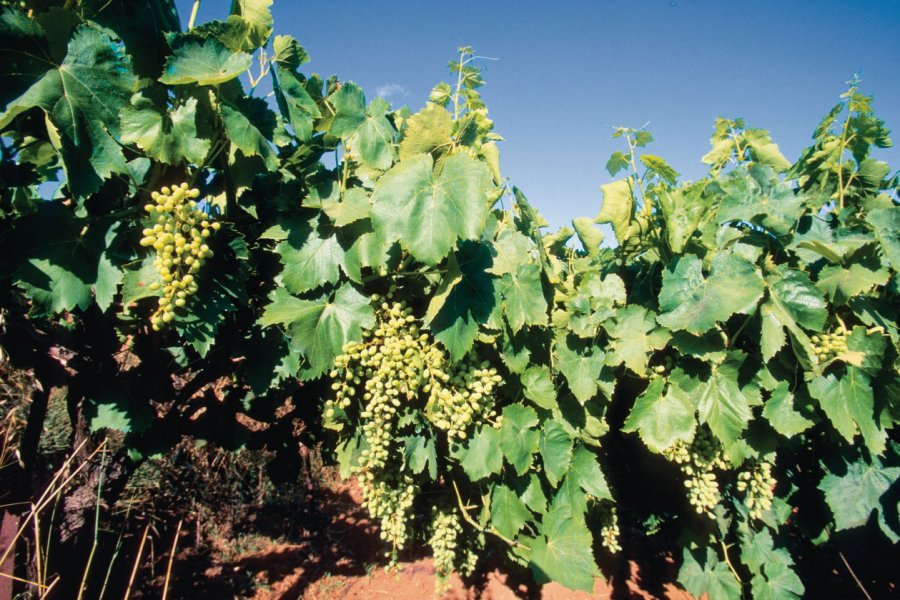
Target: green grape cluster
[
  {"x": 699, "y": 461},
  {"x": 758, "y": 484},
  {"x": 395, "y": 368},
  {"x": 829, "y": 345},
  {"x": 609, "y": 529},
  {"x": 444, "y": 541},
  {"x": 178, "y": 236}
]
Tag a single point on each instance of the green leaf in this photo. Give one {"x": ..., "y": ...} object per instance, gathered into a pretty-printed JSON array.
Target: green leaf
[
  {"x": 539, "y": 386},
  {"x": 590, "y": 237},
  {"x": 167, "y": 137},
  {"x": 854, "y": 495},
  {"x": 617, "y": 208},
  {"x": 479, "y": 457},
  {"x": 429, "y": 214},
  {"x": 513, "y": 249},
  {"x": 288, "y": 52},
  {"x": 659, "y": 166},
  {"x": 320, "y": 328},
  {"x": 720, "y": 401},
  {"x": 250, "y": 126},
  {"x": 582, "y": 372},
  {"x": 793, "y": 302},
  {"x": 464, "y": 300},
  {"x": 349, "y": 110},
  {"x": 764, "y": 151},
  {"x": 205, "y": 63},
  {"x": 585, "y": 471},
  {"x": 81, "y": 98},
  {"x": 257, "y": 16},
  {"x": 691, "y": 302},
  {"x": 556, "y": 450},
  {"x": 518, "y": 438},
  {"x": 563, "y": 552},
  {"x": 780, "y": 583},
  {"x": 843, "y": 283},
  {"x": 751, "y": 198},
  {"x": 683, "y": 209},
  {"x": 25, "y": 52},
  {"x": 418, "y": 453},
  {"x": 374, "y": 139},
  {"x": 661, "y": 417},
  {"x": 296, "y": 105},
  {"x": 312, "y": 257},
  {"x": 850, "y": 406},
  {"x": 425, "y": 131},
  {"x": 635, "y": 337},
  {"x": 508, "y": 512},
  {"x": 886, "y": 222},
  {"x": 712, "y": 577},
  {"x": 782, "y": 415},
  {"x": 349, "y": 209},
  {"x": 523, "y": 297}
]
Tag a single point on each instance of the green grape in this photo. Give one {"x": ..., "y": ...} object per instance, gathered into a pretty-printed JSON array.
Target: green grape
[
  {"x": 444, "y": 541},
  {"x": 609, "y": 528},
  {"x": 830, "y": 345},
  {"x": 176, "y": 234},
  {"x": 758, "y": 486},
  {"x": 699, "y": 462}
]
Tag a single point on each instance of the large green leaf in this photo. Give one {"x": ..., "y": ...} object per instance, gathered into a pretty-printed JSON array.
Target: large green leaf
[
  {"x": 780, "y": 411},
  {"x": 563, "y": 552},
  {"x": 428, "y": 214},
  {"x": 853, "y": 495},
  {"x": 617, "y": 208},
  {"x": 250, "y": 126},
  {"x": 204, "y": 62},
  {"x": 374, "y": 139},
  {"x": 848, "y": 403},
  {"x": 843, "y": 283},
  {"x": 312, "y": 257},
  {"x": 582, "y": 371},
  {"x": 780, "y": 583},
  {"x": 720, "y": 401},
  {"x": 320, "y": 328},
  {"x": 751, "y": 199},
  {"x": 82, "y": 98},
  {"x": 296, "y": 105},
  {"x": 711, "y": 577},
  {"x": 661, "y": 417},
  {"x": 518, "y": 436},
  {"x": 257, "y": 18},
  {"x": 584, "y": 470},
  {"x": 349, "y": 110},
  {"x": 426, "y": 130},
  {"x": 886, "y": 222},
  {"x": 793, "y": 303},
  {"x": 523, "y": 297},
  {"x": 556, "y": 450},
  {"x": 683, "y": 210},
  {"x": 635, "y": 337},
  {"x": 479, "y": 457},
  {"x": 25, "y": 52},
  {"x": 508, "y": 512},
  {"x": 539, "y": 387},
  {"x": 691, "y": 302},
  {"x": 464, "y": 299},
  {"x": 169, "y": 137}
]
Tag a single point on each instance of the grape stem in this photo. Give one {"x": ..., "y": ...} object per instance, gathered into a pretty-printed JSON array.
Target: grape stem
[
  {"x": 492, "y": 530},
  {"x": 728, "y": 562}
]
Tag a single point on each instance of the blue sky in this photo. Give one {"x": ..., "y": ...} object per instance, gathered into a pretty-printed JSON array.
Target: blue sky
[{"x": 569, "y": 71}]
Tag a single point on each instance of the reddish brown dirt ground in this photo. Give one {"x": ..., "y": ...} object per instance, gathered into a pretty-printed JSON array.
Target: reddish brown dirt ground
[{"x": 341, "y": 558}]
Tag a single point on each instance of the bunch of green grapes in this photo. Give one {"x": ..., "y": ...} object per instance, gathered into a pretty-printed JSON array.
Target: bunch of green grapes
[
  {"x": 609, "y": 528},
  {"x": 178, "y": 236},
  {"x": 699, "y": 461},
  {"x": 449, "y": 548},
  {"x": 829, "y": 345},
  {"x": 395, "y": 368},
  {"x": 759, "y": 486}
]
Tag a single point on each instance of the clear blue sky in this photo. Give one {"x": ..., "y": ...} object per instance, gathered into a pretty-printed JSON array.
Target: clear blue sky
[{"x": 569, "y": 71}]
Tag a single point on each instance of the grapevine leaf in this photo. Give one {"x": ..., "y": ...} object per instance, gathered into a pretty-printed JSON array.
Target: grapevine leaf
[
  {"x": 751, "y": 199},
  {"x": 843, "y": 283},
  {"x": 288, "y": 52},
  {"x": 464, "y": 299},
  {"x": 533, "y": 496},
  {"x": 691, "y": 302},
  {"x": 780, "y": 583},
  {"x": 312, "y": 257},
  {"x": 81, "y": 98},
  {"x": 590, "y": 237},
  {"x": 419, "y": 452},
  {"x": 518, "y": 438},
  {"x": 563, "y": 552},
  {"x": 782, "y": 415},
  {"x": 113, "y": 408},
  {"x": 257, "y": 16},
  {"x": 508, "y": 512},
  {"x": 206, "y": 62},
  {"x": 427, "y": 214},
  {"x": 683, "y": 210},
  {"x": 720, "y": 401},
  {"x": 758, "y": 550},
  {"x": 886, "y": 222},
  {"x": 635, "y": 336},
  {"x": 296, "y": 105},
  {"x": 556, "y": 450},
  {"x": 539, "y": 386},
  {"x": 136, "y": 282},
  {"x": 166, "y": 137},
  {"x": 349, "y": 209},
  {"x": 772, "y": 336},
  {"x": 523, "y": 297},
  {"x": 659, "y": 166},
  {"x": 250, "y": 126},
  {"x": 854, "y": 495},
  {"x": 712, "y": 577},
  {"x": 320, "y": 328},
  {"x": 513, "y": 249},
  {"x": 374, "y": 138},
  {"x": 585, "y": 471},
  {"x": 581, "y": 372},
  {"x": 479, "y": 458},
  {"x": 661, "y": 417},
  {"x": 764, "y": 151},
  {"x": 617, "y": 208},
  {"x": 870, "y": 346},
  {"x": 850, "y": 406},
  {"x": 426, "y": 130},
  {"x": 796, "y": 300},
  {"x": 349, "y": 110},
  {"x": 25, "y": 53}
]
